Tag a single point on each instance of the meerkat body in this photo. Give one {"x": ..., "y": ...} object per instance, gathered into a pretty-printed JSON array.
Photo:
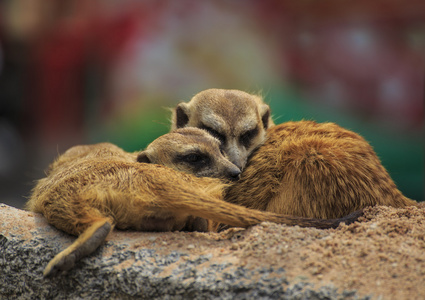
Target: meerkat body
[
  {"x": 89, "y": 190},
  {"x": 314, "y": 170},
  {"x": 303, "y": 168}
]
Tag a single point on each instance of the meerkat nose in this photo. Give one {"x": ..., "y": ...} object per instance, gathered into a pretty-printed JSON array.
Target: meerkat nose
[{"x": 234, "y": 174}]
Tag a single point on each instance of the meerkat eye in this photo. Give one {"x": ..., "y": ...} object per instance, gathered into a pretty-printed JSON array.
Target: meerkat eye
[
  {"x": 194, "y": 158},
  {"x": 247, "y": 137},
  {"x": 215, "y": 133}
]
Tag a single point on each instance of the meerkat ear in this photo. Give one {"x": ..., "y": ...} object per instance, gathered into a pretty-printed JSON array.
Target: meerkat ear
[
  {"x": 265, "y": 115},
  {"x": 180, "y": 115},
  {"x": 143, "y": 158}
]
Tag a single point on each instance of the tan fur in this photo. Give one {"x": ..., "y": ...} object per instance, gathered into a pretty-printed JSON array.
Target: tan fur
[
  {"x": 238, "y": 119},
  {"x": 303, "y": 169},
  {"x": 166, "y": 149},
  {"x": 89, "y": 190},
  {"x": 314, "y": 170}
]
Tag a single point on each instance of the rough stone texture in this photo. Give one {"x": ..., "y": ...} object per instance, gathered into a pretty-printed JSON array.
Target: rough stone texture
[{"x": 268, "y": 261}]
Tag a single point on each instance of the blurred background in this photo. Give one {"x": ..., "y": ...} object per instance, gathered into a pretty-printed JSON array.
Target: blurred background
[{"x": 78, "y": 72}]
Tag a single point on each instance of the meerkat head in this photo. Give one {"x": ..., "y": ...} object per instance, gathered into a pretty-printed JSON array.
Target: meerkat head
[
  {"x": 237, "y": 119},
  {"x": 190, "y": 150}
]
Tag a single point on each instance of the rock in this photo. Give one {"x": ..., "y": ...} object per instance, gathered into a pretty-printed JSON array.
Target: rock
[{"x": 171, "y": 265}]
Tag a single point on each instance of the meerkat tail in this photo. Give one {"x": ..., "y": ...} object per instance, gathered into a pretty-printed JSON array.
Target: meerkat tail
[
  {"x": 231, "y": 214},
  {"x": 85, "y": 244}
]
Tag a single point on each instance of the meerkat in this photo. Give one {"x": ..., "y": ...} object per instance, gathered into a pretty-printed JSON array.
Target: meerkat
[
  {"x": 316, "y": 170},
  {"x": 238, "y": 119},
  {"x": 89, "y": 190},
  {"x": 296, "y": 168}
]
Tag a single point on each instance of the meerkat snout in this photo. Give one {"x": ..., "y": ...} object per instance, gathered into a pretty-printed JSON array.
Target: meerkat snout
[
  {"x": 234, "y": 174},
  {"x": 190, "y": 150}
]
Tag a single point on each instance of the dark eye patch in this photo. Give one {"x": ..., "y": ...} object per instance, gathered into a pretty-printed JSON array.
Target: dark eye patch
[
  {"x": 195, "y": 158},
  {"x": 214, "y": 133},
  {"x": 246, "y": 138}
]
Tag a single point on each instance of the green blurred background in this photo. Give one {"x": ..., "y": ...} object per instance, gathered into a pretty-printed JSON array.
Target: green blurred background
[{"x": 78, "y": 72}]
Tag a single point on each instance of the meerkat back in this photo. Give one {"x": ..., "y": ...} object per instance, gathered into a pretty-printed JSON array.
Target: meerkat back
[{"x": 314, "y": 170}]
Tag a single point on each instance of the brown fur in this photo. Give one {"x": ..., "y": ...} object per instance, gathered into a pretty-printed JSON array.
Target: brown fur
[
  {"x": 314, "y": 170},
  {"x": 194, "y": 144},
  {"x": 238, "y": 119},
  {"x": 303, "y": 169},
  {"x": 89, "y": 190}
]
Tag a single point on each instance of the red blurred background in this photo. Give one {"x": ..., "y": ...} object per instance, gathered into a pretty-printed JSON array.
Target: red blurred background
[{"x": 75, "y": 71}]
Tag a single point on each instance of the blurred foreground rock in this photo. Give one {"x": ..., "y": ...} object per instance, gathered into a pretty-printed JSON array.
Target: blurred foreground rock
[{"x": 258, "y": 263}]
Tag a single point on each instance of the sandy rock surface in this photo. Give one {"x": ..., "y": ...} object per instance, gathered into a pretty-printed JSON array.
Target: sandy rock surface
[{"x": 381, "y": 257}]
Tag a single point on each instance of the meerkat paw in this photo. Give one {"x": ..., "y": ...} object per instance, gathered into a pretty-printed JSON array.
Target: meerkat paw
[
  {"x": 196, "y": 224},
  {"x": 85, "y": 244}
]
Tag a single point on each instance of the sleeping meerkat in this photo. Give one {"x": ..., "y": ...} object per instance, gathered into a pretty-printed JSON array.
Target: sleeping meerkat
[
  {"x": 89, "y": 190},
  {"x": 238, "y": 119},
  {"x": 192, "y": 151},
  {"x": 303, "y": 169},
  {"x": 316, "y": 170}
]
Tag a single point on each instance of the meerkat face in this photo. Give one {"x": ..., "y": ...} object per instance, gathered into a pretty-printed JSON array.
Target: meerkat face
[
  {"x": 237, "y": 119},
  {"x": 190, "y": 150}
]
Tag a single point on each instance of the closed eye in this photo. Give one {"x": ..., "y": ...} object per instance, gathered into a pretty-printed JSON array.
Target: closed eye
[
  {"x": 246, "y": 138},
  {"x": 215, "y": 133},
  {"x": 192, "y": 158},
  {"x": 195, "y": 159}
]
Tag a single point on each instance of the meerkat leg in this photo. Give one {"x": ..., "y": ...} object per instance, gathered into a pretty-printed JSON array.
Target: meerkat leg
[
  {"x": 85, "y": 244},
  {"x": 196, "y": 224}
]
